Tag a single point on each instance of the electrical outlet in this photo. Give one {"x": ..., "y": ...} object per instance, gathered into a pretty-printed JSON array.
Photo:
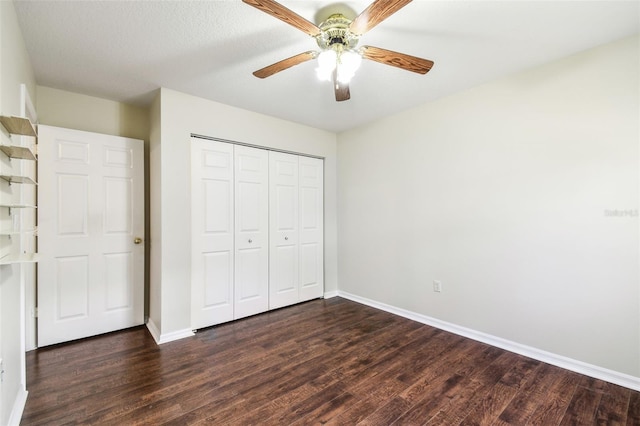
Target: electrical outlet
[{"x": 437, "y": 286}]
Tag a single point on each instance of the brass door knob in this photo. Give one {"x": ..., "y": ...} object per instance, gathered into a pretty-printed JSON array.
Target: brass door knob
[{"x": 137, "y": 240}]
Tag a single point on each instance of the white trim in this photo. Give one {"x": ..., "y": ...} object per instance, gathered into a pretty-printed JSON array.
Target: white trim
[
  {"x": 175, "y": 335},
  {"x": 638, "y": 198},
  {"x": 590, "y": 370},
  {"x": 18, "y": 407},
  {"x": 153, "y": 329},
  {"x": 330, "y": 294},
  {"x": 168, "y": 337}
]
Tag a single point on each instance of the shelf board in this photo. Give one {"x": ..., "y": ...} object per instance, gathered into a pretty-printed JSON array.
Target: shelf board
[
  {"x": 19, "y": 206},
  {"x": 18, "y": 179},
  {"x": 12, "y": 232},
  {"x": 18, "y": 125},
  {"x": 19, "y": 152},
  {"x": 19, "y": 258}
]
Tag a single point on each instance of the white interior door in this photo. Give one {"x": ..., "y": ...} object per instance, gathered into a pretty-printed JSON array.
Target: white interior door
[
  {"x": 311, "y": 268},
  {"x": 251, "y": 231},
  {"x": 90, "y": 229},
  {"x": 283, "y": 227},
  {"x": 212, "y": 230}
]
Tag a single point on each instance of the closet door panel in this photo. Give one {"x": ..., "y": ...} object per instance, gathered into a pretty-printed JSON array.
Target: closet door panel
[
  {"x": 251, "y": 291},
  {"x": 212, "y": 224},
  {"x": 311, "y": 271},
  {"x": 284, "y": 217}
]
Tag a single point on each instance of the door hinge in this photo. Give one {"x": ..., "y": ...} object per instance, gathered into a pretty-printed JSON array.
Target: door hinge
[{"x": 34, "y": 313}]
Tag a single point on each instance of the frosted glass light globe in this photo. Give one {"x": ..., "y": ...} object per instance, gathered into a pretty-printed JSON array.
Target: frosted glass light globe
[
  {"x": 348, "y": 63},
  {"x": 327, "y": 61}
]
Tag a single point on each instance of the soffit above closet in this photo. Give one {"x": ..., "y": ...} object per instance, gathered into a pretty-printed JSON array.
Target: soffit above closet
[{"x": 125, "y": 50}]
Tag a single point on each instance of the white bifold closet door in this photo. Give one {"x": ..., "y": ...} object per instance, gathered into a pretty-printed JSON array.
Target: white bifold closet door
[
  {"x": 311, "y": 224},
  {"x": 230, "y": 232},
  {"x": 296, "y": 233},
  {"x": 283, "y": 230},
  {"x": 212, "y": 236},
  {"x": 252, "y": 231}
]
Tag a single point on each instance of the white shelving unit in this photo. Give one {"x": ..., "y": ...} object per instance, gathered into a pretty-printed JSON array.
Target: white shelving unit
[{"x": 18, "y": 126}]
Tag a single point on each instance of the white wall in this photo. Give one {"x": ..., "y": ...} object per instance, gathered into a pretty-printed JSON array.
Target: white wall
[
  {"x": 15, "y": 69},
  {"x": 503, "y": 193},
  {"x": 61, "y": 108},
  {"x": 180, "y": 115}
]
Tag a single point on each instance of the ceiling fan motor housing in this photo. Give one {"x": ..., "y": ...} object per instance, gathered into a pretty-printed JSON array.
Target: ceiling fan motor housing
[{"x": 335, "y": 31}]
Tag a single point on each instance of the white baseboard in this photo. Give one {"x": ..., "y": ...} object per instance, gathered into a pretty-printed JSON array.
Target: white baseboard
[
  {"x": 18, "y": 408},
  {"x": 167, "y": 337},
  {"x": 330, "y": 294},
  {"x": 153, "y": 329},
  {"x": 590, "y": 370}
]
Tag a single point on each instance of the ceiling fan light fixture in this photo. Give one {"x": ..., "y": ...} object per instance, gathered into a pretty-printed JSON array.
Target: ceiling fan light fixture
[
  {"x": 348, "y": 63},
  {"x": 327, "y": 62},
  {"x": 344, "y": 62}
]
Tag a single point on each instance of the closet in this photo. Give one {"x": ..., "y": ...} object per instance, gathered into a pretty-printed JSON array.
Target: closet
[{"x": 257, "y": 230}]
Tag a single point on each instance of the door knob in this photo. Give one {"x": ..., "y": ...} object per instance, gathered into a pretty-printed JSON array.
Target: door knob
[
  {"x": 137, "y": 240},
  {"x": 286, "y": 238},
  {"x": 250, "y": 241}
]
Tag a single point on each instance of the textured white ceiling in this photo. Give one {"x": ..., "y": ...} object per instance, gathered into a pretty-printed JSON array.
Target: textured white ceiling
[{"x": 124, "y": 50}]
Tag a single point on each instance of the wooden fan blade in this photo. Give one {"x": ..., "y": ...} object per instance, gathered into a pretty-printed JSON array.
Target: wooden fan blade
[
  {"x": 284, "y": 64},
  {"x": 400, "y": 60},
  {"x": 341, "y": 89},
  {"x": 277, "y": 10},
  {"x": 377, "y": 12}
]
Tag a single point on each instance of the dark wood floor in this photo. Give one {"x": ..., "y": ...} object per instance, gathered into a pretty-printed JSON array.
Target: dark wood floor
[{"x": 326, "y": 361}]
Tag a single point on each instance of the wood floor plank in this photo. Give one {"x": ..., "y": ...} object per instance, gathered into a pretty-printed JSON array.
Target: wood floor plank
[
  {"x": 463, "y": 402},
  {"x": 493, "y": 403},
  {"x": 633, "y": 414},
  {"x": 613, "y": 407},
  {"x": 497, "y": 399},
  {"x": 389, "y": 412},
  {"x": 389, "y": 372},
  {"x": 380, "y": 391},
  {"x": 582, "y": 408},
  {"x": 323, "y": 362},
  {"x": 433, "y": 384},
  {"x": 380, "y": 367},
  {"x": 527, "y": 399},
  {"x": 551, "y": 409},
  {"x": 436, "y": 399},
  {"x": 520, "y": 373}
]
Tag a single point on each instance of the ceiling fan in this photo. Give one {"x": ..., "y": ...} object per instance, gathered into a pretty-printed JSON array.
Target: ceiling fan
[{"x": 337, "y": 38}]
